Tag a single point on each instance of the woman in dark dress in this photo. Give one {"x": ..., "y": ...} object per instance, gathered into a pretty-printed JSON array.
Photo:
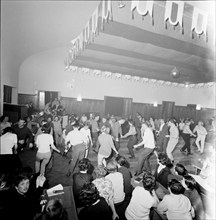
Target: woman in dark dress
[
  {"x": 95, "y": 207},
  {"x": 81, "y": 178}
]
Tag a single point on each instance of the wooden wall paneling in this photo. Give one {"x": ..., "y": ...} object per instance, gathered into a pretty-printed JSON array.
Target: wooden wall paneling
[
  {"x": 26, "y": 98},
  {"x": 86, "y": 106}
]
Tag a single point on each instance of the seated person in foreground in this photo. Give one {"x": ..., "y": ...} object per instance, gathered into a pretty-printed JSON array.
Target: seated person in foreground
[
  {"x": 191, "y": 192},
  {"x": 123, "y": 167},
  {"x": 164, "y": 169},
  {"x": 105, "y": 188},
  {"x": 175, "y": 205},
  {"x": 143, "y": 198},
  {"x": 95, "y": 207},
  {"x": 21, "y": 203},
  {"x": 81, "y": 178},
  {"x": 55, "y": 210},
  {"x": 118, "y": 186}
]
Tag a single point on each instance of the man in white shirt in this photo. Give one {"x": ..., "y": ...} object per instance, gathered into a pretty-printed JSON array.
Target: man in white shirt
[
  {"x": 85, "y": 130},
  {"x": 8, "y": 142},
  {"x": 149, "y": 146},
  {"x": 77, "y": 140}
]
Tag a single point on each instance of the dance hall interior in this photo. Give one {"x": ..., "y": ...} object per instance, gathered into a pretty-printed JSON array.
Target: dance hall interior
[{"x": 107, "y": 110}]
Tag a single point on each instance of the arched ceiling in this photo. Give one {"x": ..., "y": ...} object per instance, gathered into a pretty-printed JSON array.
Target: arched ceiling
[{"x": 30, "y": 27}]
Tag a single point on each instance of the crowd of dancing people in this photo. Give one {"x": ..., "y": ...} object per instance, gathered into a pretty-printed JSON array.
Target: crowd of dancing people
[{"x": 105, "y": 190}]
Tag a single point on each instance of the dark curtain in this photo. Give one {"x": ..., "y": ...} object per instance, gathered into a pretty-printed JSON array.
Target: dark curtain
[{"x": 7, "y": 94}]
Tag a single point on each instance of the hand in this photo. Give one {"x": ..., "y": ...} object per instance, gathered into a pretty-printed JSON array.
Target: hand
[
  {"x": 30, "y": 145},
  {"x": 115, "y": 216},
  {"x": 135, "y": 146},
  {"x": 21, "y": 141}
]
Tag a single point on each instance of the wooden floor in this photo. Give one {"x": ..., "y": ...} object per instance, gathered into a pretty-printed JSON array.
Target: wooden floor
[{"x": 60, "y": 166}]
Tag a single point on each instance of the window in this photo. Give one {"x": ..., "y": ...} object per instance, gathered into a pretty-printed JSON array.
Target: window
[{"x": 7, "y": 94}]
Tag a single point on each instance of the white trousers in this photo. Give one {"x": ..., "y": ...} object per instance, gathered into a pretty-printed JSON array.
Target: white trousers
[
  {"x": 170, "y": 147},
  {"x": 200, "y": 139}
]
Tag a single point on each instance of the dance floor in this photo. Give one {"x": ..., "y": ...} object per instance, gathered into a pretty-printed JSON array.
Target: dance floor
[{"x": 57, "y": 174}]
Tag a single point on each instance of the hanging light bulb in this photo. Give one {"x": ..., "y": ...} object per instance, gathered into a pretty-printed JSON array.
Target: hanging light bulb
[{"x": 175, "y": 73}]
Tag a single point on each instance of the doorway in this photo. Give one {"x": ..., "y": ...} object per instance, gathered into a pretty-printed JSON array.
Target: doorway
[
  {"x": 46, "y": 96},
  {"x": 117, "y": 106}
]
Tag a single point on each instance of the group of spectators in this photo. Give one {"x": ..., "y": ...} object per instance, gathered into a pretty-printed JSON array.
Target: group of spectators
[{"x": 107, "y": 192}]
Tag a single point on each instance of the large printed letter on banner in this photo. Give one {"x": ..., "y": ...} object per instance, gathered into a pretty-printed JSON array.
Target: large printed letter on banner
[
  {"x": 174, "y": 12},
  {"x": 106, "y": 10},
  {"x": 199, "y": 21}
]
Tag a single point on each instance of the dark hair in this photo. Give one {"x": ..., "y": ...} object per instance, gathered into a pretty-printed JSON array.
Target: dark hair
[
  {"x": 88, "y": 194},
  {"x": 84, "y": 164},
  {"x": 172, "y": 120},
  {"x": 131, "y": 121},
  {"x": 162, "y": 157},
  {"x": 28, "y": 171},
  {"x": 3, "y": 117},
  {"x": 30, "y": 117},
  {"x": 55, "y": 210},
  {"x": 181, "y": 170},
  {"x": 76, "y": 124},
  {"x": 46, "y": 128},
  {"x": 22, "y": 119},
  {"x": 7, "y": 129},
  {"x": 122, "y": 161},
  {"x": 148, "y": 181},
  {"x": 190, "y": 182},
  {"x": 20, "y": 177},
  {"x": 165, "y": 160},
  {"x": 176, "y": 187}
]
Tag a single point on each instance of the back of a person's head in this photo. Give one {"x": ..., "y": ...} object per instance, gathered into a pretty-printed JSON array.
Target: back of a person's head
[
  {"x": 180, "y": 169},
  {"x": 176, "y": 187},
  {"x": 46, "y": 128},
  {"x": 27, "y": 171},
  {"x": 84, "y": 164},
  {"x": 55, "y": 210},
  {"x": 99, "y": 172},
  {"x": 88, "y": 194},
  {"x": 131, "y": 121},
  {"x": 122, "y": 161},
  {"x": 148, "y": 181},
  {"x": 7, "y": 130},
  {"x": 76, "y": 124},
  {"x": 111, "y": 166},
  {"x": 103, "y": 128},
  {"x": 190, "y": 182},
  {"x": 173, "y": 120}
]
